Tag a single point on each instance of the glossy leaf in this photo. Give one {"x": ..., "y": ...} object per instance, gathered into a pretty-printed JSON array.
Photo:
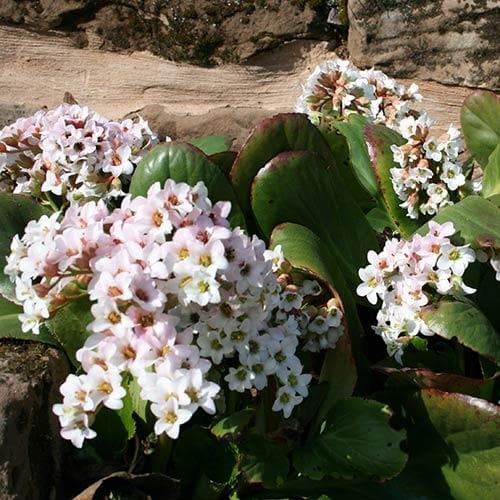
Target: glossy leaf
[
  {"x": 470, "y": 430},
  {"x": 379, "y": 220},
  {"x": 480, "y": 124},
  {"x": 212, "y": 144},
  {"x": 356, "y": 442},
  {"x": 379, "y": 140},
  {"x": 10, "y": 326},
  {"x": 352, "y": 129},
  {"x": 465, "y": 322},
  {"x": 69, "y": 326},
  {"x": 474, "y": 218},
  {"x": 184, "y": 163},
  {"x": 297, "y": 187},
  {"x": 15, "y": 212},
  {"x": 491, "y": 178},
  {"x": 283, "y": 132}
]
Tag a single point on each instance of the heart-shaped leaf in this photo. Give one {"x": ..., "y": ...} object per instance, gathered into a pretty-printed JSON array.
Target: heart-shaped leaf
[
  {"x": 465, "y": 322},
  {"x": 10, "y": 326},
  {"x": 379, "y": 140},
  {"x": 283, "y": 132},
  {"x": 481, "y": 124},
  {"x": 15, "y": 212},
  {"x": 356, "y": 442},
  {"x": 297, "y": 187},
  {"x": 491, "y": 178},
  {"x": 184, "y": 163}
]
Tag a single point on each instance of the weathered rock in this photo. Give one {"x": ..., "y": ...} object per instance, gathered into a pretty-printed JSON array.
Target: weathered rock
[
  {"x": 204, "y": 32},
  {"x": 31, "y": 450},
  {"x": 450, "y": 41}
]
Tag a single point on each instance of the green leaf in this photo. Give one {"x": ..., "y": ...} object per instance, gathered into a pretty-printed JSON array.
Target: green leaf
[
  {"x": 423, "y": 378},
  {"x": 126, "y": 414},
  {"x": 297, "y": 187},
  {"x": 379, "y": 220},
  {"x": 352, "y": 129},
  {"x": 69, "y": 326},
  {"x": 470, "y": 430},
  {"x": 475, "y": 219},
  {"x": 139, "y": 405},
  {"x": 15, "y": 212},
  {"x": 224, "y": 161},
  {"x": 199, "y": 451},
  {"x": 10, "y": 326},
  {"x": 356, "y": 442},
  {"x": 234, "y": 423},
  {"x": 465, "y": 322},
  {"x": 379, "y": 140},
  {"x": 262, "y": 461},
  {"x": 112, "y": 434},
  {"x": 305, "y": 251},
  {"x": 212, "y": 144},
  {"x": 480, "y": 120},
  {"x": 283, "y": 132},
  {"x": 491, "y": 178},
  {"x": 184, "y": 163}
]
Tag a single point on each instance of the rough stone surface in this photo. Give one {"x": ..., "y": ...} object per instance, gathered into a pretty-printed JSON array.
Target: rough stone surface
[
  {"x": 203, "y": 32},
  {"x": 31, "y": 451},
  {"x": 450, "y": 41}
]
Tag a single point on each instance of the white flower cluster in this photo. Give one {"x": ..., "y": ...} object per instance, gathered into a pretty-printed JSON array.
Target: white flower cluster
[
  {"x": 406, "y": 274},
  {"x": 175, "y": 291},
  {"x": 430, "y": 173},
  {"x": 337, "y": 88},
  {"x": 70, "y": 151}
]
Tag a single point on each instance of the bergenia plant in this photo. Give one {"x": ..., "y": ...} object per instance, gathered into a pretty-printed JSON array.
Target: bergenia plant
[{"x": 312, "y": 315}]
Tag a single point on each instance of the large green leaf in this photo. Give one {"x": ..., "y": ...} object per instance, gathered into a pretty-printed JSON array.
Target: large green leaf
[
  {"x": 297, "y": 187},
  {"x": 491, "y": 178},
  {"x": 234, "y": 423},
  {"x": 470, "y": 430},
  {"x": 306, "y": 251},
  {"x": 69, "y": 326},
  {"x": 283, "y": 132},
  {"x": 379, "y": 140},
  {"x": 475, "y": 219},
  {"x": 184, "y": 163},
  {"x": 465, "y": 322},
  {"x": 356, "y": 442},
  {"x": 15, "y": 213},
  {"x": 352, "y": 129},
  {"x": 10, "y": 326},
  {"x": 480, "y": 119}
]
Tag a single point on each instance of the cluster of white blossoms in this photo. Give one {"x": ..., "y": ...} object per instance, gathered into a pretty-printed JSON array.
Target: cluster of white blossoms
[
  {"x": 71, "y": 152},
  {"x": 175, "y": 291},
  {"x": 406, "y": 275},
  {"x": 429, "y": 173},
  {"x": 337, "y": 88}
]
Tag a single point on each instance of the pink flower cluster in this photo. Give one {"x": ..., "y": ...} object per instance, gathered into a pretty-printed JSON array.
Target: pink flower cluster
[
  {"x": 337, "y": 88},
  {"x": 175, "y": 291},
  {"x": 406, "y": 274},
  {"x": 72, "y": 152},
  {"x": 429, "y": 174}
]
